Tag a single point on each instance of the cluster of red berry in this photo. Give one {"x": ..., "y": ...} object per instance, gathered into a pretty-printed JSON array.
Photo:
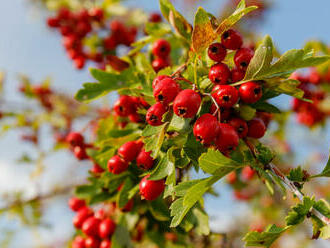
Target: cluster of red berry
[
  {"x": 97, "y": 227},
  {"x": 310, "y": 113},
  {"x": 77, "y": 145},
  {"x": 161, "y": 50},
  {"x": 76, "y": 26}
]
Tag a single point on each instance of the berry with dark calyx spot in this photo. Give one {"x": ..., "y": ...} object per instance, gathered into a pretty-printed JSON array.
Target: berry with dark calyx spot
[
  {"x": 124, "y": 106},
  {"x": 105, "y": 244},
  {"x": 91, "y": 226},
  {"x": 92, "y": 242},
  {"x": 78, "y": 242},
  {"x": 247, "y": 173},
  {"x": 186, "y": 103},
  {"x": 217, "y": 52},
  {"x": 166, "y": 90},
  {"x": 155, "y": 17},
  {"x": 231, "y": 39},
  {"x": 150, "y": 190},
  {"x": 75, "y": 203},
  {"x": 228, "y": 139},
  {"x": 144, "y": 160},
  {"x": 219, "y": 73},
  {"x": 75, "y": 139},
  {"x": 161, "y": 48},
  {"x": 237, "y": 75},
  {"x": 117, "y": 165},
  {"x": 80, "y": 152},
  {"x": 240, "y": 126},
  {"x": 158, "y": 79},
  {"x": 81, "y": 216},
  {"x": 159, "y": 64},
  {"x": 242, "y": 58},
  {"x": 206, "y": 129},
  {"x": 250, "y": 92},
  {"x": 226, "y": 96},
  {"x": 106, "y": 228},
  {"x": 129, "y": 151},
  {"x": 257, "y": 128},
  {"x": 155, "y": 114}
]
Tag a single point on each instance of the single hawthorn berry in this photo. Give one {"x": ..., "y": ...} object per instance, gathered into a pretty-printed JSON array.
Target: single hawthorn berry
[
  {"x": 243, "y": 57},
  {"x": 124, "y": 106},
  {"x": 247, "y": 173},
  {"x": 53, "y": 22},
  {"x": 158, "y": 79},
  {"x": 226, "y": 96},
  {"x": 228, "y": 139},
  {"x": 149, "y": 189},
  {"x": 257, "y": 128},
  {"x": 81, "y": 216},
  {"x": 91, "y": 226},
  {"x": 237, "y": 75},
  {"x": 240, "y": 126},
  {"x": 117, "y": 165},
  {"x": 250, "y": 92},
  {"x": 79, "y": 62},
  {"x": 159, "y": 64},
  {"x": 232, "y": 177},
  {"x": 106, "y": 228},
  {"x": 78, "y": 242},
  {"x": 186, "y": 103},
  {"x": 96, "y": 169},
  {"x": 206, "y": 129},
  {"x": 96, "y": 13},
  {"x": 92, "y": 242},
  {"x": 80, "y": 152},
  {"x": 166, "y": 90},
  {"x": 129, "y": 151},
  {"x": 217, "y": 52},
  {"x": 105, "y": 244},
  {"x": 75, "y": 203},
  {"x": 144, "y": 160},
  {"x": 155, "y": 17},
  {"x": 155, "y": 114},
  {"x": 75, "y": 139},
  {"x": 219, "y": 73},
  {"x": 231, "y": 39},
  {"x": 161, "y": 48}
]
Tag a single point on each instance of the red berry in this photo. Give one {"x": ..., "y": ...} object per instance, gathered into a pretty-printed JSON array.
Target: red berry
[
  {"x": 237, "y": 75},
  {"x": 159, "y": 64},
  {"x": 117, "y": 165},
  {"x": 78, "y": 242},
  {"x": 96, "y": 169},
  {"x": 144, "y": 160},
  {"x": 75, "y": 203},
  {"x": 64, "y": 14},
  {"x": 226, "y": 96},
  {"x": 231, "y": 39},
  {"x": 166, "y": 90},
  {"x": 155, "y": 17},
  {"x": 150, "y": 190},
  {"x": 217, "y": 52},
  {"x": 105, "y": 244},
  {"x": 250, "y": 92},
  {"x": 100, "y": 214},
  {"x": 90, "y": 226},
  {"x": 228, "y": 139},
  {"x": 240, "y": 126},
  {"x": 265, "y": 117},
  {"x": 53, "y": 22},
  {"x": 232, "y": 177},
  {"x": 243, "y": 57},
  {"x": 161, "y": 48},
  {"x": 128, "y": 207},
  {"x": 186, "y": 103},
  {"x": 257, "y": 128},
  {"x": 75, "y": 139},
  {"x": 92, "y": 242},
  {"x": 158, "y": 79},
  {"x": 247, "y": 173},
  {"x": 97, "y": 14},
  {"x": 206, "y": 129},
  {"x": 106, "y": 228},
  {"x": 124, "y": 106},
  {"x": 135, "y": 118},
  {"x": 219, "y": 73},
  {"x": 155, "y": 114},
  {"x": 129, "y": 151},
  {"x": 80, "y": 152},
  {"x": 81, "y": 216},
  {"x": 79, "y": 62}
]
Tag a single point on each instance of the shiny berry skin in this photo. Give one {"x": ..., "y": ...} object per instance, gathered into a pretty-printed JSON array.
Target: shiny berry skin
[
  {"x": 161, "y": 48},
  {"x": 231, "y": 39},
  {"x": 240, "y": 126},
  {"x": 219, "y": 73},
  {"x": 155, "y": 114},
  {"x": 91, "y": 226},
  {"x": 150, "y": 190},
  {"x": 78, "y": 242},
  {"x": 158, "y": 79},
  {"x": 81, "y": 216},
  {"x": 257, "y": 128},
  {"x": 75, "y": 203},
  {"x": 75, "y": 139},
  {"x": 159, "y": 64},
  {"x": 186, "y": 103},
  {"x": 105, "y": 244},
  {"x": 247, "y": 173},
  {"x": 237, "y": 75},
  {"x": 80, "y": 152},
  {"x": 228, "y": 139},
  {"x": 217, "y": 52},
  {"x": 206, "y": 129},
  {"x": 129, "y": 151},
  {"x": 226, "y": 96},
  {"x": 250, "y": 92},
  {"x": 106, "y": 228},
  {"x": 166, "y": 90},
  {"x": 144, "y": 160},
  {"x": 92, "y": 242},
  {"x": 117, "y": 165},
  {"x": 124, "y": 106},
  {"x": 242, "y": 58}
]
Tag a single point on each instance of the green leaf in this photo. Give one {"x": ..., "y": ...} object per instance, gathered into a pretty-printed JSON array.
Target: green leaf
[
  {"x": 101, "y": 197},
  {"x": 323, "y": 207},
  {"x": 154, "y": 143},
  {"x": 124, "y": 193},
  {"x": 159, "y": 209},
  {"x": 179, "y": 124},
  {"x": 86, "y": 191},
  {"x": 121, "y": 238},
  {"x": 202, "y": 227},
  {"x": 164, "y": 168},
  {"x": 117, "y": 133},
  {"x": 325, "y": 232},
  {"x": 285, "y": 86},
  {"x": 265, "y": 106},
  {"x": 326, "y": 170},
  {"x": 296, "y": 175},
  {"x": 151, "y": 130},
  {"x": 193, "y": 149},
  {"x": 264, "y": 154},
  {"x": 299, "y": 212}
]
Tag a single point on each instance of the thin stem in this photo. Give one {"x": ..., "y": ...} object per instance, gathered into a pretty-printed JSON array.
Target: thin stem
[
  {"x": 181, "y": 69},
  {"x": 216, "y": 105}
]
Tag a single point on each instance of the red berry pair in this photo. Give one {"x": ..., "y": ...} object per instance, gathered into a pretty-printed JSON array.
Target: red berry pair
[{"x": 161, "y": 50}]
